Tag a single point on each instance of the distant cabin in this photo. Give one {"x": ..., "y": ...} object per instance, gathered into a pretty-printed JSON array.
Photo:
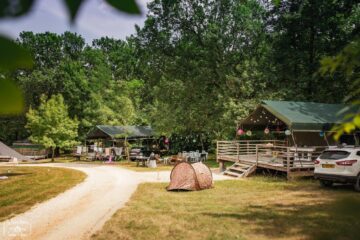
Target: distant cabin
[{"x": 117, "y": 135}]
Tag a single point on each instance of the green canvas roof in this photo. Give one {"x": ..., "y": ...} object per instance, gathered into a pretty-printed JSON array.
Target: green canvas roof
[
  {"x": 113, "y": 132},
  {"x": 304, "y": 115}
]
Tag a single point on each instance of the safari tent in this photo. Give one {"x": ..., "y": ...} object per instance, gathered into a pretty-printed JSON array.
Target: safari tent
[
  {"x": 292, "y": 136},
  {"x": 192, "y": 177},
  {"x": 308, "y": 122}
]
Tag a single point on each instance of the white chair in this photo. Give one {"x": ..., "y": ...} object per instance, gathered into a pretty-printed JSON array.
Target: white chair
[
  {"x": 84, "y": 149},
  {"x": 118, "y": 152},
  {"x": 192, "y": 157},
  {"x": 78, "y": 150},
  {"x": 205, "y": 155}
]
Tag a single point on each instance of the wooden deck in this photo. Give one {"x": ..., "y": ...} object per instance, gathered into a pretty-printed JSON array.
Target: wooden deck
[{"x": 272, "y": 155}]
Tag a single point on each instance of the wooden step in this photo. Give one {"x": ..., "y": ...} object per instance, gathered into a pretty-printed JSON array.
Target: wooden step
[
  {"x": 242, "y": 165},
  {"x": 251, "y": 170},
  {"x": 240, "y": 170},
  {"x": 237, "y": 169},
  {"x": 233, "y": 174}
]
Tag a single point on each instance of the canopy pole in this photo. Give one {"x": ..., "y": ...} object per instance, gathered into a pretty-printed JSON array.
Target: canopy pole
[
  {"x": 326, "y": 140},
  {"x": 356, "y": 140},
  {"x": 293, "y": 138}
]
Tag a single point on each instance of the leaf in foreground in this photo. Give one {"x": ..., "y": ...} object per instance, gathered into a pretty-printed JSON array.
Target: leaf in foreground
[
  {"x": 11, "y": 98},
  {"x": 13, "y": 56}
]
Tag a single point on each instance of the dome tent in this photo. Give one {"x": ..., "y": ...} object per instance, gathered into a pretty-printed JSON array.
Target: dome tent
[{"x": 186, "y": 176}]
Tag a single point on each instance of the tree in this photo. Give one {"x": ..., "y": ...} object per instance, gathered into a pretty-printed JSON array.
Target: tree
[
  {"x": 198, "y": 56},
  {"x": 15, "y": 57},
  {"x": 347, "y": 64},
  {"x": 303, "y": 33},
  {"x": 51, "y": 126}
]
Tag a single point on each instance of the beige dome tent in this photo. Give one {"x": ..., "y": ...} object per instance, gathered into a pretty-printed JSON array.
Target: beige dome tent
[{"x": 186, "y": 176}]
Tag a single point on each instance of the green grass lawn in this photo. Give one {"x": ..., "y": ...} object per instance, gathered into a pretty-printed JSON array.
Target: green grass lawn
[
  {"x": 27, "y": 186},
  {"x": 255, "y": 208}
]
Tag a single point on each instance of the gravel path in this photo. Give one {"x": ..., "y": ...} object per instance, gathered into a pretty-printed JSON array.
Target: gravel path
[{"x": 81, "y": 211}]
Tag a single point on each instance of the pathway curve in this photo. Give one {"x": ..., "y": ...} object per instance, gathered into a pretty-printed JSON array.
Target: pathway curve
[{"x": 81, "y": 211}]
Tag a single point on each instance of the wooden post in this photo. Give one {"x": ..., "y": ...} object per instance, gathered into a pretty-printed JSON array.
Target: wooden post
[
  {"x": 217, "y": 151},
  {"x": 257, "y": 154},
  {"x": 288, "y": 163},
  {"x": 222, "y": 166},
  {"x": 237, "y": 151}
]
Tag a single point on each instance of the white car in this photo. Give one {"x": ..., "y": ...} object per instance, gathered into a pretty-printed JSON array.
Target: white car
[{"x": 339, "y": 165}]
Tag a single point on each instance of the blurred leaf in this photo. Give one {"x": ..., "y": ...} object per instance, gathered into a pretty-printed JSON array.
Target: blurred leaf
[
  {"x": 128, "y": 6},
  {"x": 73, "y": 7},
  {"x": 357, "y": 120},
  {"x": 11, "y": 98},
  {"x": 11, "y": 8},
  {"x": 13, "y": 56},
  {"x": 349, "y": 127},
  {"x": 276, "y": 2}
]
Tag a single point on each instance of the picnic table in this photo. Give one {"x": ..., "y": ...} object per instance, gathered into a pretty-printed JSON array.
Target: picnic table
[{"x": 141, "y": 159}]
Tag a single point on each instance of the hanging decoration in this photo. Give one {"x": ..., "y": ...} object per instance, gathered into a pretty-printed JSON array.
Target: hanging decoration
[
  {"x": 248, "y": 133},
  {"x": 266, "y": 130},
  {"x": 287, "y": 132},
  {"x": 322, "y": 134},
  {"x": 240, "y": 131}
]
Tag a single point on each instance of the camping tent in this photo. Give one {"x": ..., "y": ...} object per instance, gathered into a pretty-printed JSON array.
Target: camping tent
[
  {"x": 186, "y": 176},
  {"x": 7, "y": 152}
]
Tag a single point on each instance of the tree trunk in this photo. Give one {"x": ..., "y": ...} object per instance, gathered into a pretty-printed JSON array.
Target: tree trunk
[{"x": 52, "y": 154}]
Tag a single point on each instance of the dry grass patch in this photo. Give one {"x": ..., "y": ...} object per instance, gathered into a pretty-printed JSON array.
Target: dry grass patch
[
  {"x": 27, "y": 186},
  {"x": 257, "y": 208}
]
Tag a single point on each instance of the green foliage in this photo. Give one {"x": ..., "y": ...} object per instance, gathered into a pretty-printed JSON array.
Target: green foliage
[
  {"x": 347, "y": 64},
  {"x": 195, "y": 68},
  {"x": 14, "y": 56},
  {"x": 128, "y": 6},
  {"x": 98, "y": 83},
  {"x": 196, "y": 58},
  {"x": 10, "y": 8},
  {"x": 305, "y": 32},
  {"x": 50, "y": 124},
  {"x": 9, "y": 92}
]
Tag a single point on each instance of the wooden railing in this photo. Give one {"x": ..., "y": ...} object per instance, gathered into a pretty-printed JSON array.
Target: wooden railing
[
  {"x": 243, "y": 147},
  {"x": 269, "y": 151}
]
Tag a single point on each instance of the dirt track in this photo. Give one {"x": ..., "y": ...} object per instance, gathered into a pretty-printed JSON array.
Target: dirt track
[{"x": 82, "y": 210}]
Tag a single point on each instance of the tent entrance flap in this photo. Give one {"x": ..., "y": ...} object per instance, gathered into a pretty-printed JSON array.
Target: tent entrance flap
[{"x": 262, "y": 118}]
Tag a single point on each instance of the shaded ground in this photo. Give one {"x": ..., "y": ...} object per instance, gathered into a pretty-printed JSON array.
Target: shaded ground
[
  {"x": 257, "y": 208},
  {"x": 27, "y": 186}
]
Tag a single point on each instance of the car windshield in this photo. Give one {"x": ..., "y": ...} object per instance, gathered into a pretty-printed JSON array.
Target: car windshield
[{"x": 334, "y": 155}]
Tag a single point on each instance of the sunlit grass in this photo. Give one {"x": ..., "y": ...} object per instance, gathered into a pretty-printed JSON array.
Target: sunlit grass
[
  {"x": 256, "y": 208},
  {"x": 27, "y": 186}
]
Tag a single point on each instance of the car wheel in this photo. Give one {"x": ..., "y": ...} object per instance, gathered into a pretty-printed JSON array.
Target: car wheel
[
  {"x": 326, "y": 183},
  {"x": 357, "y": 184}
]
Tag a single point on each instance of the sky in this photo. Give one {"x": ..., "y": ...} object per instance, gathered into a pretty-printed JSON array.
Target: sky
[{"x": 94, "y": 20}]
